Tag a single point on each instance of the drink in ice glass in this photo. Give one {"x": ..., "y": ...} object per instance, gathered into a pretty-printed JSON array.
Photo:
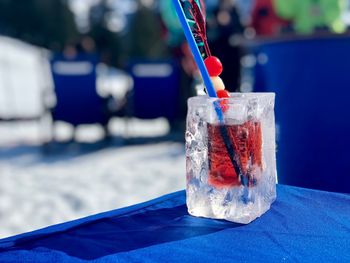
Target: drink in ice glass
[{"x": 231, "y": 164}]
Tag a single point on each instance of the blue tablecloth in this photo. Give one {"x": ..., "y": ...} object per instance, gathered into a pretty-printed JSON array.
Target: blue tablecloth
[{"x": 303, "y": 225}]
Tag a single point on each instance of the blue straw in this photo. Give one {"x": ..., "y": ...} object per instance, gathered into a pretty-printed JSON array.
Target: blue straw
[
  {"x": 198, "y": 57},
  {"x": 211, "y": 92}
]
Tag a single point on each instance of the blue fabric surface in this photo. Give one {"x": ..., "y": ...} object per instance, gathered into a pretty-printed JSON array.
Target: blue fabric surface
[{"x": 303, "y": 225}]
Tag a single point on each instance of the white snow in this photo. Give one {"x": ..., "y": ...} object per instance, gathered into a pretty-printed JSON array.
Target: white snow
[
  {"x": 24, "y": 79},
  {"x": 81, "y": 179},
  {"x": 77, "y": 179}
]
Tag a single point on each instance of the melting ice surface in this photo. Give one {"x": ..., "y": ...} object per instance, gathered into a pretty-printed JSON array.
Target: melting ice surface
[{"x": 236, "y": 203}]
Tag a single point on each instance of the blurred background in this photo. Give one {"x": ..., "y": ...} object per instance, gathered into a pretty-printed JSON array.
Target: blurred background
[{"x": 93, "y": 98}]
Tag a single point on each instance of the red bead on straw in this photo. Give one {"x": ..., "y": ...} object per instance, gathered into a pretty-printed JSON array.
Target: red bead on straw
[{"x": 213, "y": 65}]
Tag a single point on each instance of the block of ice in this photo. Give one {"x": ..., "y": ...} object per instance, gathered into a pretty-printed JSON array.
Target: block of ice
[{"x": 231, "y": 168}]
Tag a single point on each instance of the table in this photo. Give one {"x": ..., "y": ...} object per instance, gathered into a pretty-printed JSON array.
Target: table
[{"x": 303, "y": 225}]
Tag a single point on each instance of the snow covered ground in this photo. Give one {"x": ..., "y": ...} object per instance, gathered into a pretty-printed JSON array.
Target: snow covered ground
[
  {"x": 80, "y": 179},
  {"x": 75, "y": 179}
]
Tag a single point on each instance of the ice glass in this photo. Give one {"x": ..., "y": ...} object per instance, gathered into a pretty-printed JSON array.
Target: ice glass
[{"x": 231, "y": 164}]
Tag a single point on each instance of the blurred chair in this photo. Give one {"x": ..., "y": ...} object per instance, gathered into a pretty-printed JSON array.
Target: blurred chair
[
  {"x": 156, "y": 90},
  {"x": 75, "y": 86},
  {"x": 311, "y": 80}
]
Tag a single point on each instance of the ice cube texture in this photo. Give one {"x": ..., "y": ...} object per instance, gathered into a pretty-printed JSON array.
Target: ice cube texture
[{"x": 237, "y": 203}]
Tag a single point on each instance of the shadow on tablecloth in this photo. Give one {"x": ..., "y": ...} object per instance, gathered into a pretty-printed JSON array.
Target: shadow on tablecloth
[{"x": 111, "y": 235}]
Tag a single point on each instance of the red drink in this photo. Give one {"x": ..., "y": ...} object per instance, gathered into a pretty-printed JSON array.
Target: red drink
[{"x": 246, "y": 140}]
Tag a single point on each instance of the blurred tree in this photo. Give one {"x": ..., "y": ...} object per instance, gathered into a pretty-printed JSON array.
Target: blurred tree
[
  {"x": 145, "y": 35},
  {"x": 108, "y": 43},
  {"x": 51, "y": 24},
  {"x": 40, "y": 22}
]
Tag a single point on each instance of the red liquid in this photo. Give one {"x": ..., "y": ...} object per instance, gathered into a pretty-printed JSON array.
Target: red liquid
[{"x": 247, "y": 143}]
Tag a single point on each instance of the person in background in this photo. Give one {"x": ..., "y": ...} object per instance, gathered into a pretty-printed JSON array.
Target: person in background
[
  {"x": 87, "y": 45},
  {"x": 265, "y": 21},
  {"x": 70, "y": 51},
  {"x": 245, "y": 8},
  {"x": 224, "y": 29},
  {"x": 84, "y": 47},
  {"x": 174, "y": 37}
]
